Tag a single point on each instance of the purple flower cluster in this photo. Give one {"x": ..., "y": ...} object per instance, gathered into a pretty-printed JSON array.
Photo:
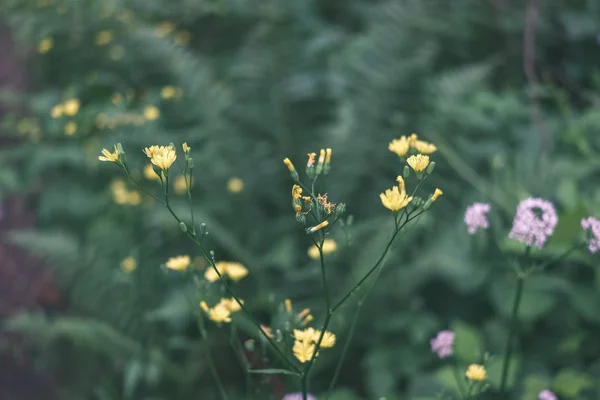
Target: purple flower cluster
[
  {"x": 533, "y": 228},
  {"x": 442, "y": 344},
  {"x": 592, "y": 224},
  {"x": 547, "y": 395},
  {"x": 298, "y": 396},
  {"x": 476, "y": 218}
]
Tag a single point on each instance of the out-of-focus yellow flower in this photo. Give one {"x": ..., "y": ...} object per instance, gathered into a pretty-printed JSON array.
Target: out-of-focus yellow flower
[
  {"x": 161, "y": 156},
  {"x": 125, "y": 16},
  {"x": 315, "y": 228},
  {"x": 231, "y": 304},
  {"x": 57, "y": 111},
  {"x": 151, "y": 113},
  {"x": 288, "y": 305},
  {"x": 219, "y": 313},
  {"x": 182, "y": 38},
  {"x": 179, "y": 263},
  {"x": 289, "y": 164},
  {"x": 418, "y": 162},
  {"x": 104, "y": 37},
  {"x": 119, "y": 191},
  {"x": 108, "y": 156},
  {"x": 395, "y": 199},
  {"x": 424, "y": 147},
  {"x": 180, "y": 185},
  {"x": 413, "y": 139},
  {"x": 71, "y": 107},
  {"x": 399, "y": 146},
  {"x": 186, "y": 148},
  {"x": 329, "y": 246},
  {"x": 70, "y": 128},
  {"x": 328, "y": 339},
  {"x": 150, "y": 174},
  {"x": 437, "y": 193},
  {"x": 116, "y": 98},
  {"x": 164, "y": 29},
  {"x": 45, "y": 45},
  {"x": 303, "y": 350},
  {"x": 476, "y": 372},
  {"x": 235, "y": 185},
  {"x": 234, "y": 270},
  {"x": 134, "y": 198},
  {"x": 170, "y": 92},
  {"x": 128, "y": 264}
]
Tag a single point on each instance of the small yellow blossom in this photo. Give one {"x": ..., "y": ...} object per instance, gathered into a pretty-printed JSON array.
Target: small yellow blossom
[
  {"x": 399, "y": 146},
  {"x": 424, "y": 147},
  {"x": 322, "y": 225},
  {"x": 289, "y": 164},
  {"x": 57, "y": 111},
  {"x": 179, "y": 263},
  {"x": 413, "y": 139},
  {"x": 231, "y": 304},
  {"x": 476, "y": 372},
  {"x": 305, "y": 335},
  {"x": 307, "y": 319},
  {"x": 161, "y": 156},
  {"x": 303, "y": 351},
  {"x": 164, "y": 29},
  {"x": 108, "y": 156},
  {"x": 327, "y": 156},
  {"x": 134, "y": 198},
  {"x": 235, "y": 185},
  {"x": 182, "y": 38},
  {"x": 70, "y": 128},
  {"x": 437, "y": 193},
  {"x": 236, "y": 271},
  {"x": 311, "y": 159},
  {"x": 211, "y": 275},
  {"x": 128, "y": 264},
  {"x": 104, "y": 37},
  {"x": 328, "y": 339},
  {"x": 186, "y": 148},
  {"x": 180, "y": 185},
  {"x": 296, "y": 192},
  {"x": 321, "y": 156},
  {"x": 204, "y": 306},
  {"x": 401, "y": 184},
  {"x": 71, "y": 107},
  {"x": 219, "y": 313},
  {"x": 288, "y": 305},
  {"x": 418, "y": 162},
  {"x": 170, "y": 92},
  {"x": 150, "y": 174},
  {"x": 304, "y": 313},
  {"x": 395, "y": 199},
  {"x": 329, "y": 246},
  {"x": 151, "y": 113},
  {"x": 45, "y": 45}
]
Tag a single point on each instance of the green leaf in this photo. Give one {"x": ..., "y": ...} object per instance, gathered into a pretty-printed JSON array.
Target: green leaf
[
  {"x": 570, "y": 383},
  {"x": 494, "y": 370},
  {"x": 468, "y": 344},
  {"x": 272, "y": 371},
  {"x": 447, "y": 378}
]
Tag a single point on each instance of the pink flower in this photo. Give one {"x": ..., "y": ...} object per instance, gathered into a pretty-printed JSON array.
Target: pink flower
[
  {"x": 592, "y": 224},
  {"x": 442, "y": 344},
  {"x": 298, "y": 396},
  {"x": 475, "y": 217},
  {"x": 534, "y": 222},
  {"x": 547, "y": 395}
]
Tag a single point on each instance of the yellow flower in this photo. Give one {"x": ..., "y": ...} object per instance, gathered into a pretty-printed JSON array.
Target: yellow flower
[
  {"x": 180, "y": 185},
  {"x": 327, "y": 341},
  {"x": 476, "y": 372},
  {"x": 329, "y": 246},
  {"x": 289, "y": 164},
  {"x": 45, "y": 45},
  {"x": 108, "y": 156},
  {"x": 305, "y": 335},
  {"x": 186, "y": 148},
  {"x": 179, "y": 263},
  {"x": 288, "y": 305},
  {"x": 71, "y": 107},
  {"x": 104, "y": 37},
  {"x": 327, "y": 156},
  {"x": 418, "y": 162},
  {"x": 151, "y": 113},
  {"x": 395, "y": 199},
  {"x": 134, "y": 198},
  {"x": 231, "y": 304},
  {"x": 303, "y": 351},
  {"x": 161, "y": 156},
  {"x": 116, "y": 98},
  {"x": 322, "y": 225},
  {"x": 128, "y": 264},
  {"x": 169, "y": 92},
  {"x": 235, "y": 185},
  {"x": 412, "y": 140},
  {"x": 437, "y": 193},
  {"x": 236, "y": 271},
  {"x": 119, "y": 191},
  {"x": 57, "y": 111},
  {"x": 296, "y": 192},
  {"x": 70, "y": 128},
  {"x": 424, "y": 147},
  {"x": 399, "y": 146},
  {"x": 211, "y": 275},
  {"x": 149, "y": 173},
  {"x": 219, "y": 313}
]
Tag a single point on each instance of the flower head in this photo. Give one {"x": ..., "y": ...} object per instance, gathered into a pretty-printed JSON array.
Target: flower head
[
  {"x": 151, "y": 113},
  {"x": 161, "y": 156},
  {"x": 186, "y": 148},
  {"x": 57, "y": 111},
  {"x": 70, "y": 128},
  {"x": 315, "y": 228},
  {"x": 298, "y": 396},
  {"x": 289, "y": 164},
  {"x": 395, "y": 199},
  {"x": 128, "y": 264},
  {"x": 547, "y": 395},
  {"x": 475, "y": 217},
  {"x": 424, "y": 147},
  {"x": 534, "y": 222},
  {"x": 442, "y": 344},
  {"x": 418, "y": 162},
  {"x": 235, "y": 271},
  {"x": 311, "y": 159},
  {"x": 593, "y": 225},
  {"x": 71, "y": 107},
  {"x": 436, "y": 193},
  {"x": 303, "y": 350},
  {"x": 231, "y": 304},
  {"x": 296, "y": 192},
  {"x": 108, "y": 156},
  {"x": 235, "y": 185},
  {"x": 327, "y": 156},
  {"x": 219, "y": 313},
  {"x": 45, "y": 45},
  {"x": 476, "y": 372},
  {"x": 179, "y": 263},
  {"x": 329, "y": 246},
  {"x": 399, "y": 146}
]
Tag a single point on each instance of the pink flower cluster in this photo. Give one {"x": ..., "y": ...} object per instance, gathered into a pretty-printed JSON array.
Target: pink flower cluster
[
  {"x": 442, "y": 344},
  {"x": 592, "y": 224},
  {"x": 530, "y": 228},
  {"x": 547, "y": 395},
  {"x": 298, "y": 396},
  {"x": 476, "y": 218}
]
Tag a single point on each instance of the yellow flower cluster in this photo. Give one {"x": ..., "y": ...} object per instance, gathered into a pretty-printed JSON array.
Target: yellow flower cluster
[
  {"x": 69, "y": 108},
  {"x": 171, "y": 92},
  {"x": 476, "y": 372},
  {"x": 233, "y": 270},
  {"x": 222, "y": 311},
  {"x": 329, "y": 246},
  {"x": 402, "y": 145},
  {"x": 161, "y": 156},
  {"x": 305, "y": 342},
  {"x": 122, "y": 195},
  {"x": 179, "y": 263},
  {"x": 395, "y": 199}
]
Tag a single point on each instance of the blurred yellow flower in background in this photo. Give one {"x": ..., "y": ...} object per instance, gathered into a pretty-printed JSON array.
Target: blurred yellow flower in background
[
  {"x": 70, "y": 128},
  {"x": 104, "y": 37},
  {"x": 128, "y": 264},
  {"x": 151, "y": 113},
  {"x": 235, "y": 185},
  {"x": 476, "y": 372},
  {"x": 150, "y": 174},
  {"x": 179, "y": 263},
  {"x": 424, "y": 147},
  {"x": 71, "y": 107},
  {"x": 180, "y": 185},
  {"x": 45, "y": 45},
  {"x": 234, "y": 270},
  {"x": 57, "y": 111},
  {"x": 329, "y": 246}
]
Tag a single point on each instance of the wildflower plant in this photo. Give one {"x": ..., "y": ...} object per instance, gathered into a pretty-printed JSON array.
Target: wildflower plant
[{"x": 318, "y": 215}]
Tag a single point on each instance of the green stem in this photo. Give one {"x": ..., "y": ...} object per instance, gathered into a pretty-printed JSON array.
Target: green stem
[
  {"x": 211, "y": 363},
  {"x": 304, "y": 386},
  {"x": 511, "y": 332},
  {"x": 189, "y": 193}
]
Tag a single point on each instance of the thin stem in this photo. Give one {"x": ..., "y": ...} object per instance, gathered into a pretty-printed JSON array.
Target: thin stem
[
  {"x": 189, "y": 193},
  {"x": 211, "y": 363},
  {"x": 511, "y": 332},
  {"x": 563, "y": 255},
  {"x": 140, "y": 186},
  {"x": 324, "y": 277},
  {"x": 304, "y": 386}
]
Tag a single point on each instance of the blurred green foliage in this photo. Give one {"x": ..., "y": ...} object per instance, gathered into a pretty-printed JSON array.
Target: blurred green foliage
[{"x": 262, "y": 80}]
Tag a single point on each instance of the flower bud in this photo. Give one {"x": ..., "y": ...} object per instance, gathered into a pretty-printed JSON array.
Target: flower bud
[
  {"x": 430, "y": 167},
  {"x": 417, "y": 202},
  {"x": 427, "y": 204},
  {"x": 301, "y": 219},
  {"x": 203, "y": 229},
  {"x": 406, "y": 172},
  {"x": 340, "y": 209},
  {"x": 321, "y": 162},
  {"x": 190, "y": 163},
  {"x": 183, "y": 227}
]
